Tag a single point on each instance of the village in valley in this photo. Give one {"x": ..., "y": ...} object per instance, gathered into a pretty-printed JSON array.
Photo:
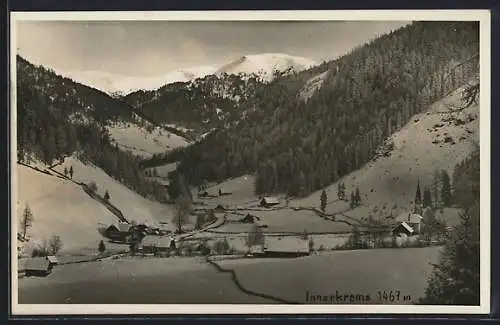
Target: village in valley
[{"x": 119, "y": 203}]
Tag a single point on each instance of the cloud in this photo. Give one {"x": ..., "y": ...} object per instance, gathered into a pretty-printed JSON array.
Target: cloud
[{"x": 192, "y": 49}]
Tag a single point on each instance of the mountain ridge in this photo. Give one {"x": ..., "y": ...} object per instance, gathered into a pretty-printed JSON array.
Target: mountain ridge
[{"x": 262, "y": 65}]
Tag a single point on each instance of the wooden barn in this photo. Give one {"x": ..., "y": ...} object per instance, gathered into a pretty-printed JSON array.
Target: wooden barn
[
  {"x": 269, "y": 201},
  {"x": 118, "y": 232},
  {"x": 155, "y": 244},
  {"x": 38, "y": 266}
]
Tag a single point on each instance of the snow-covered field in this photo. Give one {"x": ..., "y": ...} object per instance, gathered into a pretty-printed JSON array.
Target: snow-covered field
[
  {"x": 176, "y": 280},
  {"x": 324, "y": 274},
  {"x": 61, "y": 208},
  {"x": 191, "y": 280},
  {"x": 141, "y": 142},
  {"x": 133, "y": 206}
]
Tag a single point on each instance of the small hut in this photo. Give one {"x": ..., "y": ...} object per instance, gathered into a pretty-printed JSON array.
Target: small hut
[
  {"x": 38, "y": 266},
  {"x": 269, "y": 202}
]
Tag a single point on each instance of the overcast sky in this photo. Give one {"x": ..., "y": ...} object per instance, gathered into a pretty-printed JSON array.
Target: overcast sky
[{"x": 149, "y": 48}]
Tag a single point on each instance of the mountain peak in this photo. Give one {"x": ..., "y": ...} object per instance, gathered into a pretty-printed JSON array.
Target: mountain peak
[{"x": 265, "y": 64}]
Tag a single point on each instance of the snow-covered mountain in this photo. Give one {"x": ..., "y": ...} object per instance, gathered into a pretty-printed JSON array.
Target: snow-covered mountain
[
  {"x": 266, "y": 64},
  {"x": 263, "y": 65},
  {"x": 116, "y": 84}
]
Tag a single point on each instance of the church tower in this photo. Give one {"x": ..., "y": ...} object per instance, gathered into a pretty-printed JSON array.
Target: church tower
[{"x": 418, "y": 200}]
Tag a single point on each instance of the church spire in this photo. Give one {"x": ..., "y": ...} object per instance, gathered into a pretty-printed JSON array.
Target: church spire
[{"x": 418, "y": 196}]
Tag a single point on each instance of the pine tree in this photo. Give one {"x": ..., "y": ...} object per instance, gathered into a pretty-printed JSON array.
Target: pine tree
[
  {"x": 445, "y": 188},
  {"x": 357, "y": 198},
  {"x": 65, "y": 171},
  {"x": 342, "y": 191},
  {"x": 324, "y": 199},
  {"x": 101, "y": 247},
  {"x": 427, "y": 198},
  {"x": 71, "y": 172},
  {"x": 106, "y": 195},
  {"x": 435, "y": 188},
  {"x": 352, "y": 203},
  {"x": 339, "y": 191},
  {"x": 455, "y": 279},
  {"x": 26, "y": 220}
]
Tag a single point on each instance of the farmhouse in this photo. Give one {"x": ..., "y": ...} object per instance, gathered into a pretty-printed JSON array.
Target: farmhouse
[
  {"x": 38, "y": 266},
  {"x": 269, "y": 201},
  {"x": 412, "y": 219},
  {"x": 118, "y": 231},
  {"x": 403, "y": 229},
  {"x": 256, "y": 250},
  {"x": 154, "y": 244}
]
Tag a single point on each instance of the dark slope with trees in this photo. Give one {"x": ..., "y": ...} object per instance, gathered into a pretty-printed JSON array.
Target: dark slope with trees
[
  {"x": 455, "y": 279},
  {"x": 203, "y": 104},
  {"x": 57, "y": 117},
  {"x": 297, "y": 147}
]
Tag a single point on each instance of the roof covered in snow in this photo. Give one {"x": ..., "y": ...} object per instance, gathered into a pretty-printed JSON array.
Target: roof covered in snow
[
  {"x": 405, "y": 226},
  {"x": 271, "y": 200}
]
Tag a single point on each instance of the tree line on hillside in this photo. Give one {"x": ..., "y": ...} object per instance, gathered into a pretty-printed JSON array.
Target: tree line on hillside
[
  {"x": 296, "y": 147},
  {"x": 57, "y": 117},
  {"x": 455, "y": 278},
  {"x": 202, "y": 104}
]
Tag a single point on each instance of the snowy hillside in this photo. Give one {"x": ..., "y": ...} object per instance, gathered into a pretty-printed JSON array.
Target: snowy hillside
[
  {"x": 133, "y": 206},
  {"x": 115, "y": 84},
  {"x": 144, "y": 140},
  {"x": 266, "y": 64},
  {"x": 60, "y": 207},
  {"x": 432, "y": 140}
]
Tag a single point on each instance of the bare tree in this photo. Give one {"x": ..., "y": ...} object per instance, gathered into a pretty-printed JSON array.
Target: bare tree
[
  {"x": 255, "y": 237},
  {"x": 183, "y": 204},
  {"x": 55, "y": 244},
  {"x": 26, "y": 220}
]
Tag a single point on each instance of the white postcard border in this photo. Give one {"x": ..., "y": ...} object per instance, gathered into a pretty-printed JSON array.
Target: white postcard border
[{"x": 357, "y": 15}]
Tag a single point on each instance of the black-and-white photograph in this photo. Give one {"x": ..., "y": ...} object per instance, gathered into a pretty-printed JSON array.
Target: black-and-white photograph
[{"x": 250, "y": 162}]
